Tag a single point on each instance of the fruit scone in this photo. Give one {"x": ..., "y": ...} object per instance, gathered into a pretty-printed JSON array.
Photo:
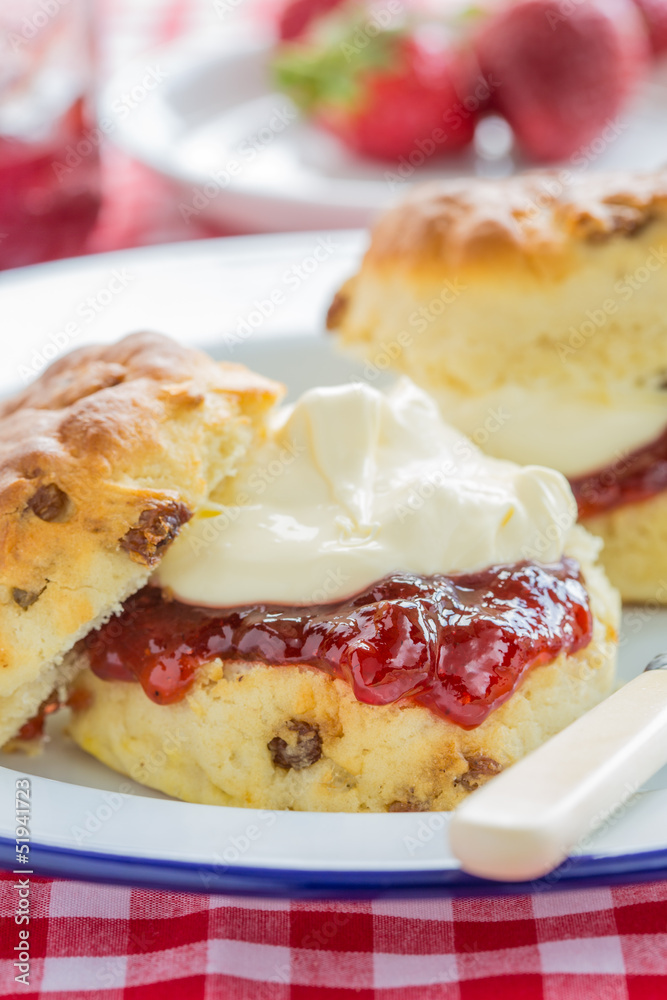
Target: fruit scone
[
  {"x": 102, "y": 461},
  {"x": 370, "y": 616},
  {"x": 533, "y": 309}
]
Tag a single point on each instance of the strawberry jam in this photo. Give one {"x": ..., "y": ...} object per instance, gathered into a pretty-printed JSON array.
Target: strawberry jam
[
  {"x": 456, "y": 644},
  {"x": 34, "y": 728},
  {"x": 639, "y": 475}
]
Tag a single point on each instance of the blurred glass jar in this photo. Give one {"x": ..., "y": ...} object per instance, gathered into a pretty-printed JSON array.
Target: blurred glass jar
[{"x": 49, "y": 149}]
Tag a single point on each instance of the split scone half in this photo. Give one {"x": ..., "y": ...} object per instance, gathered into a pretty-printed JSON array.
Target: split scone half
[
  {"x": 533, "y": 310},
  {"x": 371, "y": 616},
  {"x": 102, "y": 461}
]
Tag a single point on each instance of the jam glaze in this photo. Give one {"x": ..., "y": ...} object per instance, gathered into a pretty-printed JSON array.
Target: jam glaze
[
  {"x": 458, "y": 645},
  {"x": 33, "y": 729},
  {"x": 637, "y": 476}
]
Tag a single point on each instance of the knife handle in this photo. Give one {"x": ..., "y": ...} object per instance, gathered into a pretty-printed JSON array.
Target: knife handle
[{"x": 524, "y": 822}]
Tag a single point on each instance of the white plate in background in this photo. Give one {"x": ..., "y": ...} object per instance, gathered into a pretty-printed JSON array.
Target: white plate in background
[{"x": 209, "y": 119}]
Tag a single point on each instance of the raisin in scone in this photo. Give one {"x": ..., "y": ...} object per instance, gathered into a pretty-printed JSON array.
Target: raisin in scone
[
  {"x": 102, "y": 461},
  {"x": 532, "y": 308},
  {"x": 373, "y": 616}
]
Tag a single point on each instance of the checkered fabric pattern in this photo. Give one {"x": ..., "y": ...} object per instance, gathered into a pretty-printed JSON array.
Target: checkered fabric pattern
[{"x": 106, "y": 943}]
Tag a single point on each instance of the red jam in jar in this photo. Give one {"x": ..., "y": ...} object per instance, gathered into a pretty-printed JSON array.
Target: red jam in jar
[
  {"x": 456, "y": 644},
  {"x": 639, "y": 475}
]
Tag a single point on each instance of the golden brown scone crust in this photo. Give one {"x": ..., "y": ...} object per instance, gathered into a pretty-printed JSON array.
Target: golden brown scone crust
[
  {"x": 293, "y": 738},
  {"x": 529, "y": 221},
  {"x": 101, "y": 461},
  {"x": 507, "y": 271}
]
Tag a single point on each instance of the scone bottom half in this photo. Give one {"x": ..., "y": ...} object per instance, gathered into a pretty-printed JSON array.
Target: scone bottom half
[
  {"x": 103, "y": 459},
  {"x": 294, "y": 736}
]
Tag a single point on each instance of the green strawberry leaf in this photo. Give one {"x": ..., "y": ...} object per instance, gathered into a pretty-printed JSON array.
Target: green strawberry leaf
[
  {"x": 472, "y": 13},
  {"x": 330, "y": 69}
]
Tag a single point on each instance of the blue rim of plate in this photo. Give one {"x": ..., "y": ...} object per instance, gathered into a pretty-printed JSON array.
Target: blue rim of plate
[{"x": 585, "y": 871}]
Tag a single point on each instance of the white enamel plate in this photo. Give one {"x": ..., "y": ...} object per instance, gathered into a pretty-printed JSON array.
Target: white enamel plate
[{"x": 261, "y": 300}]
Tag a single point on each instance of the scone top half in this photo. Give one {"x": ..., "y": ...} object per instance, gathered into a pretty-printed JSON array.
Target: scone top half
[
  {"x": 470, "y": 283},
  {"x": 102, "y": 460}
]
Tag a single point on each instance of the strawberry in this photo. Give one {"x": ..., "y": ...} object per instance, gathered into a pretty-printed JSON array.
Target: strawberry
[
  {"x": 561, "y": 73},
  {"x": 297, "y": 15},
  {"x": 654, "y": 13},
  {"x": 387, "y": 89}
]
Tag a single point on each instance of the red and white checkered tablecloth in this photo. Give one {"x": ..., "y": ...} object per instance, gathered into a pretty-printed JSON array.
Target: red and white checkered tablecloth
[
  {"x": 120, "y": 944},
  {"x": 97, "y": 942}
]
